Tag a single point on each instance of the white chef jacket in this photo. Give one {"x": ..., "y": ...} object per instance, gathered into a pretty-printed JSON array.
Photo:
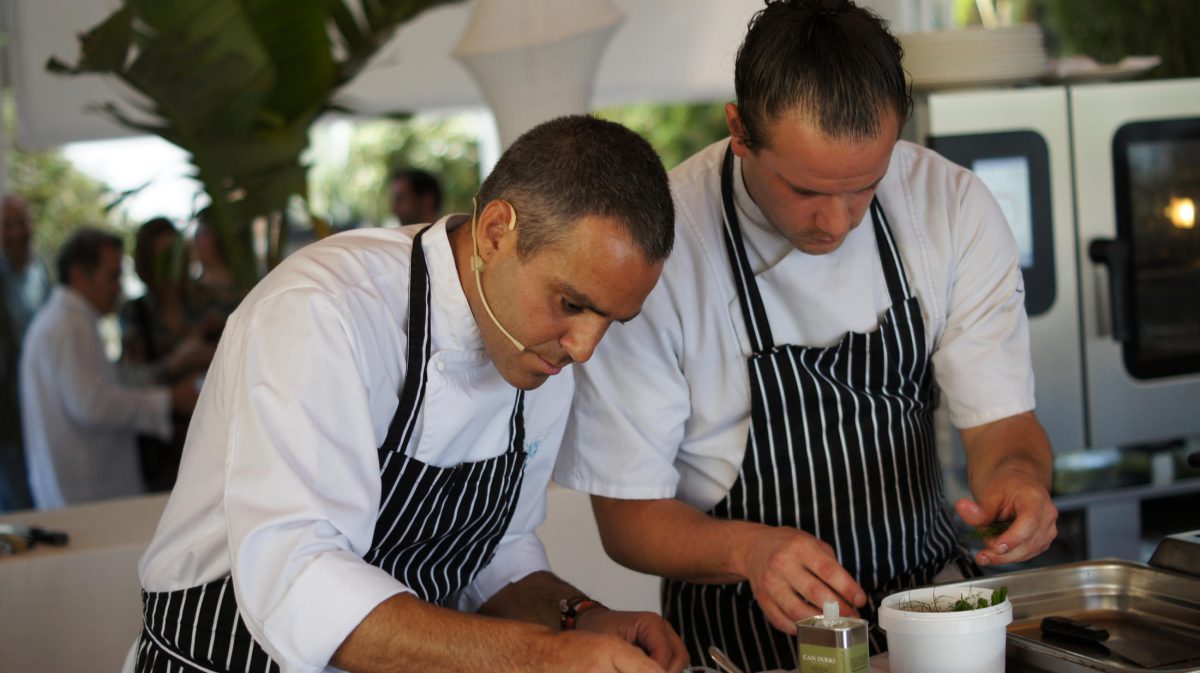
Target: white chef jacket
[
  {"x": 80, "y": 423},
  {"x": 663, "y": 407},
  {"x": 280, "y": 482}
]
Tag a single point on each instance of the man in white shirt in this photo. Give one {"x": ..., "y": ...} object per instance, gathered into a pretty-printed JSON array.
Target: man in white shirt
[
  {"x": 24, "y": 287},
  {"x": 369, "y": 459},
  {"x": 80, "y": 422},
  {"x": 762, "y": 435}
]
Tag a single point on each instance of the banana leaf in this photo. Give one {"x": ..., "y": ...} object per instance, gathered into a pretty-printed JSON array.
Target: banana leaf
[{"x": 237, "y": 84}]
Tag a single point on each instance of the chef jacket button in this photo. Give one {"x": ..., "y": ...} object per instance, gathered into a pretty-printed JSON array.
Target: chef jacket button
[{"x": 441, "y": 365}]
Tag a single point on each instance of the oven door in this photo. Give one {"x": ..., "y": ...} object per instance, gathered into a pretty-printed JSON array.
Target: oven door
[{"x": 1137, "y": 166}]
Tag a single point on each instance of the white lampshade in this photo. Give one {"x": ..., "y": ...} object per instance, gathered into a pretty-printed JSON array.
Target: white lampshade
[{"x": 535, "y": 59}]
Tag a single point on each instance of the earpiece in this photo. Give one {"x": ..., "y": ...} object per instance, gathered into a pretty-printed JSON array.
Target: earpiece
[
  {"x": 477, "y": 266},
  {"x": 477, "y": 263},
  {"x": 512, "y": 219}
]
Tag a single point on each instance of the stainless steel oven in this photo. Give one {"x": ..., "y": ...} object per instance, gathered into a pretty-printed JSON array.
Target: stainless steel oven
[
  {"x": 1137, "y": 183},
  {"x": 1100, "y": 184}
]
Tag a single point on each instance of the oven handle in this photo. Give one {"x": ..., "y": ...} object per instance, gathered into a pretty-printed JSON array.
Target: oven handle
[{"x": 1114, "y": 253}]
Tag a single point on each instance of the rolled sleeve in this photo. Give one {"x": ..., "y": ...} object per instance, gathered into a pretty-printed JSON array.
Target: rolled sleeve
[
  {"x": 311, "y": 621},
  {"x": 631, "y": 405},
  {"x": 983, "y": 360}
]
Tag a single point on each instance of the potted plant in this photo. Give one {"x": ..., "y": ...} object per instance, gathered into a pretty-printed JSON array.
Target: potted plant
[
  {"x": 237, "y": 83},
  {"x": 949, "y": 629}
]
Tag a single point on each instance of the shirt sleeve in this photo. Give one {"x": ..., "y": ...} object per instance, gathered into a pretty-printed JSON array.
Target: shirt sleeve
[
  {"x": 631, "y": 405},
  {"x": 92, "y": 394},
  {"x": 302, "y": 481},
  {"x": 982, "y": 361}
]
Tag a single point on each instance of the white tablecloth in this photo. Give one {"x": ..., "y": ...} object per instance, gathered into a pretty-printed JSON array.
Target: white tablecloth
[{"x": 76, "y": 608}]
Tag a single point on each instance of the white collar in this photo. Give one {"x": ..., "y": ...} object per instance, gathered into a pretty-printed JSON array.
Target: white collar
[{"x": 453, "y": 320}]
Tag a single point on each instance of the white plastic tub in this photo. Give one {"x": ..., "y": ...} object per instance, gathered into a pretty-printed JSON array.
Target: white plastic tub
[{"x": 945, "y": 642}]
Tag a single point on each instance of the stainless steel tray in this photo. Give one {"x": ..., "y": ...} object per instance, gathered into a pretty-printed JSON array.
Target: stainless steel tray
[{"x": 1148, "y": 604}]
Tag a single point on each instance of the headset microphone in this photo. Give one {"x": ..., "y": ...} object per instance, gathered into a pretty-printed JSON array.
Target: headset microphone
[{"x": 477, "y": 265}]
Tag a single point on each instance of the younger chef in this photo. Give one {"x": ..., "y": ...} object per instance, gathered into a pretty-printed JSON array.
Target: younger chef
[
  {"x": 762, "y": 435},
  {"x": 369, "y": 457}
]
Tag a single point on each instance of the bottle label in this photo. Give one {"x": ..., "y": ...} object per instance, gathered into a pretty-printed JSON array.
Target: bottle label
[{"x": 822, "y": 659}]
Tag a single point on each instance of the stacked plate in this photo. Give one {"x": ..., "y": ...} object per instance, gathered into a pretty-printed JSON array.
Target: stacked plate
[{"x": 974, "y": 57}]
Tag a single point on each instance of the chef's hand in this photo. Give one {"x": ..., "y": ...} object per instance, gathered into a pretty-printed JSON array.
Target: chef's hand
[
  {"x": 647, "y": 630},
  {"x": 1021, "y": 498},
  {"x": 584, "y": 651},
  {"x": 793, "y": 574}
]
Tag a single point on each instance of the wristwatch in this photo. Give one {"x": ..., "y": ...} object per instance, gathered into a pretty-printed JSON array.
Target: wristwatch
[{"x": 571, "y": 609}]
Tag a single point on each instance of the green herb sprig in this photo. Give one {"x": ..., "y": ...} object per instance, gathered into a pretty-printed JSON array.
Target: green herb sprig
[
  {"x": 962, "y": 604},
  {"x": 992, "y": 530}
]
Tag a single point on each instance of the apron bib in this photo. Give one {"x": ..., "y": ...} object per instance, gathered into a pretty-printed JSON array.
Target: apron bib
[
  {"x": 437, "y": 527},
  {"x": 840, "y": 446}
]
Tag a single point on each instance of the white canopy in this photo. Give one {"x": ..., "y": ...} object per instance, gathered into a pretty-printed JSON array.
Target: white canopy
[{"x": 665, "y": 50}]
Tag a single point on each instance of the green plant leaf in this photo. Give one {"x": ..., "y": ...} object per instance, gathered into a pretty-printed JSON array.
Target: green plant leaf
[
  {"x": 105, "y": 48},
  {"x": 353, "y": 37},
  {"x": 992, "y": 530},
  {"x": 999, "y": 595},
  {"x": 296, "y": 39},
  {"x": 201, "y": 63}
]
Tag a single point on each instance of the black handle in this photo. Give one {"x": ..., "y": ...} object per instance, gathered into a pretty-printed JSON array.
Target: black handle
[
  {"x": 1114, "y": 253},
  {"x": 1069, "y": 628},
  {"x": 53, "y": 538}
]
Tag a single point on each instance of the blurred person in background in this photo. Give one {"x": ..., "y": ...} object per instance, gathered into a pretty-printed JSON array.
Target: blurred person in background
[
  {"x": 28, "y": 279},
  {"x": 416, "y": 196},
  {"x": 164, "y": 340},
  {"x": 80, "y": 420},
  {"x": 24, "y": 287},
  {"x": 14, "y": 485},
  {"x": 213, "y": 293}
]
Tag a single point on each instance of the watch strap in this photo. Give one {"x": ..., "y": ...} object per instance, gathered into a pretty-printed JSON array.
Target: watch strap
[{"x": 571, "y": 609}]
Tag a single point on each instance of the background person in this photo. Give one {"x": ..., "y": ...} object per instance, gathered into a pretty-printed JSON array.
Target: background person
[
  {"x": 212, "y": 292},
  {"x": 80, "y": 421},
  {"x": 368, "y": 463},
  {"x": 28, "y": 279},
  {"x": 763, "y": 435},
  {"x": 163, "y": 340},
  {"x": 14, "y": 484},
  {"x": 416, "y": 196}
]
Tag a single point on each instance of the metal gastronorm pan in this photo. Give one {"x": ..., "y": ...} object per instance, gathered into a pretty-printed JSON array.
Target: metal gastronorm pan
[{"x": 1132, "y": 599}]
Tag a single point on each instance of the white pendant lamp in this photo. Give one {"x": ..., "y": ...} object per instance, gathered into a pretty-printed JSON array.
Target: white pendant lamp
[{"x": 535, "y": 59}]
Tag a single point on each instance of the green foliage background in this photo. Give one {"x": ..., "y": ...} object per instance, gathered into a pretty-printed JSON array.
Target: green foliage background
[
  {"x": 61, "y": 198},
  {"x": 348, "y": 181},
  {"x": 675, "y": 131},
  {"x": 1109, "y": 30}
]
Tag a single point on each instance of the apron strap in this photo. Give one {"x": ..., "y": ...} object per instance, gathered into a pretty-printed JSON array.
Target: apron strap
[
  {"x": 420, "y": 340},
  {"x": 753, "y": 311},
  {"x": 889, "y": 256},
  {"x": 516, "y": 424}
]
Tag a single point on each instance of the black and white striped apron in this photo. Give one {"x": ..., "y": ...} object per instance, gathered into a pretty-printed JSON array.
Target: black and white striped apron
[
  {"x": 437, "y": 527},
  {"x": 841, "y": 446}
]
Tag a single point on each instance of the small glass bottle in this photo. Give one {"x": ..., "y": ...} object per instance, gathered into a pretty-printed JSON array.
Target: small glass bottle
[{"x": 830, "y": 643}]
